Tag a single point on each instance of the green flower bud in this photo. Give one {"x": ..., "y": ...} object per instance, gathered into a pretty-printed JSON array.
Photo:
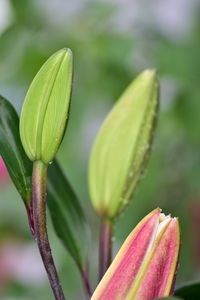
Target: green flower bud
[
  {"x": 45, "y": 109},
  {"x": 121, "y": 148}
]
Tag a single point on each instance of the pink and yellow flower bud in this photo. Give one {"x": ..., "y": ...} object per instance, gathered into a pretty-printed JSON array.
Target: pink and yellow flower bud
[{"x": 145, "y": 266}]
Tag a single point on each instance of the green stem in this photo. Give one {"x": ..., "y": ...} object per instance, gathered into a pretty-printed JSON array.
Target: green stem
[
  {"x": 39, "y": 218},
  {"x": 105, "y": 246}
]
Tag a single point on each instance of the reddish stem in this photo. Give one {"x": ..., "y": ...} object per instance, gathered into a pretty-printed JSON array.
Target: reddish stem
[
  {"x": 105, "y": 246},
  {"x": 86, "y": 282},
  {"x": 39, "y": 218}
]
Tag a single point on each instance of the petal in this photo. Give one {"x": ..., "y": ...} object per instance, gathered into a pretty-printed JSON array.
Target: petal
[
  {"x": 158, "y": 280},
  {"x": 118, "y": 280},
  {"x": 146, "y": 265}
]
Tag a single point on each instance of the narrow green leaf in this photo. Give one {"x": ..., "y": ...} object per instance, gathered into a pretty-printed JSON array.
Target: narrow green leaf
[
  {"x": 189, "y": 291},
  {"x": 66, "y": 213},
  {"x": 12, "y": 152}
]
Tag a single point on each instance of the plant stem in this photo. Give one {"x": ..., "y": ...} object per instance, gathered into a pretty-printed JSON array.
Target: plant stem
[
  {"x": 86, "y": 283},
  {"x": 105, "y": 246},
  {"x": 39, "y": 218}
]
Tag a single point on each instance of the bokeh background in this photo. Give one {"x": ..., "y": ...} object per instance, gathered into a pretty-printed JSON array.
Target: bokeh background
[{"x": 112, "y": 42}]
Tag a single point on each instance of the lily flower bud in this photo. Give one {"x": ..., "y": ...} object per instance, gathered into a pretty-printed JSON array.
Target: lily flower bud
[
  {"x": 121, "y": 148},
  {"x": 45, "y": 110},
  {"x": 146, "y": 265}
]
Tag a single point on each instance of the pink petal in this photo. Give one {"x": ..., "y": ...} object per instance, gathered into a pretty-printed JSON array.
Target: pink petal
[
  {"x": 119, "y": 277},
  {"x": 145, "y": 267},
  {"x": 158, "y": 279}
]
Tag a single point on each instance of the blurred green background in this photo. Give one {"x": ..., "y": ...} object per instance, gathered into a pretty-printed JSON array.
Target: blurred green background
[{"x": 112, "y": 42}]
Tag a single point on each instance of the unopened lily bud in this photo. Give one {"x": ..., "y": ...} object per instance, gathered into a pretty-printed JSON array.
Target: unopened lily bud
[
  {"x": 121, "y": 148},
  {"x": 45, "y": 109},
  {"x": 145, "y": 266}
]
